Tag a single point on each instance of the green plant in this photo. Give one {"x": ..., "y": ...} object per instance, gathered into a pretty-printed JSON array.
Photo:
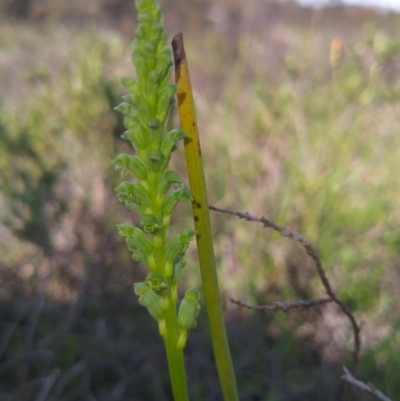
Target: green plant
[{"x": 146, "y": 110}]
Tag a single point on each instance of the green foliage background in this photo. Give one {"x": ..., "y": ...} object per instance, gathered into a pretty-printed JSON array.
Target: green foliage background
[{"x": 283, "y": 135}]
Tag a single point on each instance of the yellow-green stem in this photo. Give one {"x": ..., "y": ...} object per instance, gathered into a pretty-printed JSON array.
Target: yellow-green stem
[
  {"x": 175, "y": 358},
  {"x": 202, "y": 224}
]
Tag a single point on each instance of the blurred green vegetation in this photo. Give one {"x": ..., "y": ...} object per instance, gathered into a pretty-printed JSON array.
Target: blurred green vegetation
[{"x": 292, "y": 130}]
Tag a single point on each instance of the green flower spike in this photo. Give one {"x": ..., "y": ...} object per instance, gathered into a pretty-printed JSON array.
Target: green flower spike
[{"x": 155, "y": 190}]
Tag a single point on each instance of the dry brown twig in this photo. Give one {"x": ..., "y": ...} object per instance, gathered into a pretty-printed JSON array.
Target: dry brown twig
[
  {"x": 366, "y": 387},
  {"x": 313, "y": 253},
  {"x": 284, "y": 306}
]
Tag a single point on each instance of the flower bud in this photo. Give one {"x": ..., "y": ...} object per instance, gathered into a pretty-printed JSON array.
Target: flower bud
[
  {"x": 150, "y": 223},
  {"x": 188, "y": 311},
  {"x": 150, "y": 300},
  {"x": 157, "y": 282},
  {"x": 153, "y": 123}
]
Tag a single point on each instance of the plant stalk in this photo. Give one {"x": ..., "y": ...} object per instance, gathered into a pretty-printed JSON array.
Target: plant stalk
[
  {"x": 176, "y": 364},
  {"x": 202, "y": 224}
]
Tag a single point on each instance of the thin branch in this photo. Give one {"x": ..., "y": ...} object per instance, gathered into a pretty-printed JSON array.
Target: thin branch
[
  {"x": 366, "y": 387},
  {"x": 313, "y": 253},
  {"x": 285, "y": 306}
]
